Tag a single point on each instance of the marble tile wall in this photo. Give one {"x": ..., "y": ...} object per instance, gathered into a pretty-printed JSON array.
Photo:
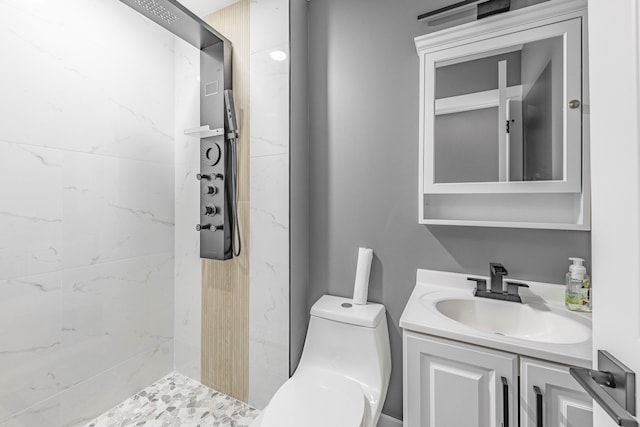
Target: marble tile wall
[
  {"x": 269, "y": 206},
  {"x": 86, "y": 208},
  {"x": 188, "y": 289}
]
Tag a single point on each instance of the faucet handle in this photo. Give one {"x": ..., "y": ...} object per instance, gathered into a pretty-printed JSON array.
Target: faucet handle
[
  {"x": 514, "y": 287},
  {"x": 481, "y": 284}
]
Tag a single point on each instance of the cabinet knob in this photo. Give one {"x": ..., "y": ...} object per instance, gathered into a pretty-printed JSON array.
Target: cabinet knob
[{"x": 574, "y": 103}]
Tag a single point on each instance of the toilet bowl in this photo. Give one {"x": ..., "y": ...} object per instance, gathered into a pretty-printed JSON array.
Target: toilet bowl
[{"x": 344, "y": 371}]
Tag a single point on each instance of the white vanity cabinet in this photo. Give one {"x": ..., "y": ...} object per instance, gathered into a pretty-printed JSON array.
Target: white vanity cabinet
[
  {"x": 550, "y": 397},
  {"x": 479, "y": 362},
  {"x": 452, "y": 384}
]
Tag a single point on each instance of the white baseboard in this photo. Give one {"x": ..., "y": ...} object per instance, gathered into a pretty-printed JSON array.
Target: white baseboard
[{"x": 387, "y": 421}]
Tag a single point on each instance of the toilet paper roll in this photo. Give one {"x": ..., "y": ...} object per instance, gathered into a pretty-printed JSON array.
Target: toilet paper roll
[{"x": 363, "y": 269}]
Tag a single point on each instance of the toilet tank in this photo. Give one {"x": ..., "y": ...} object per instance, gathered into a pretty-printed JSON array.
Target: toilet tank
[{"x": 350, "y": 340}]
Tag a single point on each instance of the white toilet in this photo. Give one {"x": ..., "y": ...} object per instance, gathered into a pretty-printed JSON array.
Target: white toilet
[{"x": 344, "y": 371}]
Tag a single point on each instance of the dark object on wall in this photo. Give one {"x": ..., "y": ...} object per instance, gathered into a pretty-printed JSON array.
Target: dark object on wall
[
  {"x": 218, "y": 131},
  {"x": 493, "y": 7},
  {"x": 484, "y": 8}
]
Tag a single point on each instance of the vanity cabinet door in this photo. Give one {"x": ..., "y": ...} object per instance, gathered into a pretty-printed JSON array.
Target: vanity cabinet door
[
  {"x": 550, "y": 397},
  {"x": 450, "y": 384}
]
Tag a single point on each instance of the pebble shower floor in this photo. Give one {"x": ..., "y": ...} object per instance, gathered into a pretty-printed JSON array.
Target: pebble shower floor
[{"x": 178, "y": 401}]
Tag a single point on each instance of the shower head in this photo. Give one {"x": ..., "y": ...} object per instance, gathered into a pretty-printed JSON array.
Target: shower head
[
  {"x": 179, "y": 20},
  {"x": 158, "y": 10}
]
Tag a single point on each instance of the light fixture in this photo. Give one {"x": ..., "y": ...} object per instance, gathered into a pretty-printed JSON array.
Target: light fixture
[
  {"x": 278, "y": 55},
  {"x": 481, "y": 8}
]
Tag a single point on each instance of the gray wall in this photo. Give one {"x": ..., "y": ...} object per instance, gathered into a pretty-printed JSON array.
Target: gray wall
[
  {"x": 465, "y": 146},
  {"x": 298, "y": 183},
  {"x": 363, "y": 123}
]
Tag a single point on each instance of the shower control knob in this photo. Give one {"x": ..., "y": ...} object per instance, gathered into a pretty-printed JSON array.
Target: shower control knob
[
  {"x": 211, "y": 190},
  {"x": 214, "y": 154},
  {"x": 210, "y": 210},
  {"x": 200, "y": 177},
  {"x": 201, "y": 227}
]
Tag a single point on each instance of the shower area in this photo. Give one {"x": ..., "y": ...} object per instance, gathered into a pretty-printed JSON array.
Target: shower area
[{"x": 103, "y": 292}]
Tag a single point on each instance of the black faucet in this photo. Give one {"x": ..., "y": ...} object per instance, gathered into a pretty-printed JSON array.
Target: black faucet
[{"x": 497, "y": 271}]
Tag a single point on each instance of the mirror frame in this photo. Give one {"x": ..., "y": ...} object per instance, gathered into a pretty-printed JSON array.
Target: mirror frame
[{"x": 457, "y": 44}]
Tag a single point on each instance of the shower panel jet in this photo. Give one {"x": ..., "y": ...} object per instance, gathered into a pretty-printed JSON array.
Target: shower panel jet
[{"x": 218, "y": 133}]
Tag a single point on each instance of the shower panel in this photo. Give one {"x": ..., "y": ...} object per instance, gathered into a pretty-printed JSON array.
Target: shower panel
[{"x": 218, "y": 227}]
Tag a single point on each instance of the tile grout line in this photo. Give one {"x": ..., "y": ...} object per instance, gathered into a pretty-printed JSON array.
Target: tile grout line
[
  {"x": 80, "y": 267},
  {"x": 89, "y": 153},
  {"x": 84, "y": 381}
]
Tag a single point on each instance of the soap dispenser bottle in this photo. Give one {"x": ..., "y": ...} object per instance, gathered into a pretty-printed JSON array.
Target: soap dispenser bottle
[{"x": 578, "y": 291}]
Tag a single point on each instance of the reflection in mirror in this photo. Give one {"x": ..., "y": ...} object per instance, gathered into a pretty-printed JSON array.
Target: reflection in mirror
[
  {"x": 458, "y": 160},
  {"x": 499, "y": 115}
]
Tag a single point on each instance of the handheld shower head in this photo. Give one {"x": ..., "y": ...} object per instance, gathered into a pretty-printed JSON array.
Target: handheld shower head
[{"x": 230, "y": 115}]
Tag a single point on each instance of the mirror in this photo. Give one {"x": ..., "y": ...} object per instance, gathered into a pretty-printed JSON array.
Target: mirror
[
  {"x": 503, "y": 114},
  {"x": 498, "y": 116},
  {"x": 503, "y": 136}
]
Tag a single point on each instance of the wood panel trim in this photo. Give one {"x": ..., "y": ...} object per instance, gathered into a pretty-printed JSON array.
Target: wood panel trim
[{"x": 225, "y": 284}]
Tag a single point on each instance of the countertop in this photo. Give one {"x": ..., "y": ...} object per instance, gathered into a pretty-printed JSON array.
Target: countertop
[{"x": 420, "y": 315}]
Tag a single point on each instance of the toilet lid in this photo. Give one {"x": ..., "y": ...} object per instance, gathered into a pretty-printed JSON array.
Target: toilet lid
[{"x": 326, "y": 400}]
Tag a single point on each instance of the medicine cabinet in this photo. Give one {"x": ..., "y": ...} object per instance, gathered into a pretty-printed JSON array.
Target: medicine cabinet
[{"x": 503, "y": 120}]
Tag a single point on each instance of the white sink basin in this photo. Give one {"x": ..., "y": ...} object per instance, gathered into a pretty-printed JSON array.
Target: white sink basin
[
  {"x": 442, "y": 304},
  {"x": 523, "y": 321}
]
